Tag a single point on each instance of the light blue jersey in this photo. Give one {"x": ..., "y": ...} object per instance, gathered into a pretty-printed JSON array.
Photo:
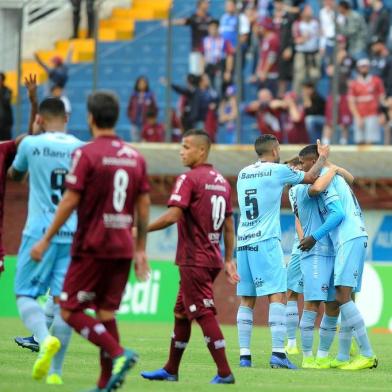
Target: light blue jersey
[
  {"x": 259, "y": 189},
  {"x": 310, "y": 219},
  {"x": 293, "y": 203},
  {"x": 47, "y": 158},
  {"x": 353, "y": 225}
]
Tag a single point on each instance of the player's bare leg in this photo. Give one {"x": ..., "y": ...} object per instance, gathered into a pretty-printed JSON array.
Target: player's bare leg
[
  {"x": 244, "y": 328},
  {"x": 277, "y": 323},
  {"x": 292, "y": 320},
  {"x": 353, "y": 320}
]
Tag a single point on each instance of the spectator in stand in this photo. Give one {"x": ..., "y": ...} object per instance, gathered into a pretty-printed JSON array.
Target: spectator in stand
[
  {"x": 228, "y": 114},
  {"x": 58, "y": 73},
  {"x": 380, "y": 60},
  {"x": 293, "y": 119},
  {"x": 198, "y": 23},
  {"x": 267, "y": 113},
  {"x": 353, "y": 26},
  {"x": 153, "y": 131},
  {"x": 228, "y": 26},
  {"x": 344, "y": 117},
  {"x": 314, "y": 109},
  {"x": 218, "y": 58},
  {"x": 283, "y": 20},
  {"x": 6, "y": 117},
  {"x": 306, "y": 33},
  {"x": 141, "y": 100},
  {"x": 379, "y": 21},
  {"x": 327, "y": 28},
  {"x": 267, "y": 67},
  {"x": 76, "y": 6},
  {"x": 365, "y": 95},
  {"x": 208, "y": 107},
  {"x": 58, "y": 92}
]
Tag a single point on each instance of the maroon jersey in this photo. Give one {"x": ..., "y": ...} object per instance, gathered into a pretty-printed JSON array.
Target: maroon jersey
[
  {"x": 7, "y": 155},
  {"x": 204, "y": 196},
  {"x": 153, "y": 133},
  {"x": 110, "y": 175}
]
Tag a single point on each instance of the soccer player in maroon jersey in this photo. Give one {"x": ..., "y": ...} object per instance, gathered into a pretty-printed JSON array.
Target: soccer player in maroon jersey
[
  {"x": 200, "y": 205},
  {"x": 7, "y": 155},
  {"x": 106, "y": 183}
]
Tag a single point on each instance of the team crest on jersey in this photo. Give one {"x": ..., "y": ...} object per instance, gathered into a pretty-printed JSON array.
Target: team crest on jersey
[
  {"x": 355, "y": 274},
  {"x": 259, "y": 282},
  {"x": 324, "y": 288}
]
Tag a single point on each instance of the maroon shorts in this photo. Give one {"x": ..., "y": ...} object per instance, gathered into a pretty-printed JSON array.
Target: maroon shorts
[
  {"x": 344, "y": 115},
  {"x": 94, "y": 283},
  {"x": 196, "y": 297}
]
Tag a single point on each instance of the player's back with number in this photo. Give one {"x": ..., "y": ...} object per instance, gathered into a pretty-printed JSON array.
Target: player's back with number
[
  {"x": 259, "y": 189},
  {"x": 204, "y": 196},
  {"x": 47, "y": 158},
  {"x": 110, "y": 175}
]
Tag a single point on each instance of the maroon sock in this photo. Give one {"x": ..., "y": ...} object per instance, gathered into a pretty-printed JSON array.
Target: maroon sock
[
  {"x": 105, "y": 360},
  {"x": 95, "y": 332},
  {"x": 181, "y": 335},
  {"x": 215, "y": 343}
]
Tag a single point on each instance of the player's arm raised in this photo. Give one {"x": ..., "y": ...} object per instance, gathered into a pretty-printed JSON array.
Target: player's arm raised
[
  {"x": 312, "y": 175},
  {"x": 171, "y": 216},
  {"x": 142, "y": 268},
  {"x": 67, "y": 205},
  {"x": 228, "y": 238}
]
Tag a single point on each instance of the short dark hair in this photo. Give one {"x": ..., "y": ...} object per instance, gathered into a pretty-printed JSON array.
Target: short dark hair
[
  {"x": 311, "y": 149},
  {"x": 292, "y": 161},
  {"x": 104, "y": 107},
  {"x": 151, "y": 113},
  {"x": 264, "y": 144},
  {"x": 346, "y": 4},
  {"x": 213, "y": 22},
  {"x": 52, "y": 107},
  {"x": 199, "y": 133}
]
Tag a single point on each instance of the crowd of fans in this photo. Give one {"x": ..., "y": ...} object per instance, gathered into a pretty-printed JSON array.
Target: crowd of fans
[{"x": 288, "y": 51}]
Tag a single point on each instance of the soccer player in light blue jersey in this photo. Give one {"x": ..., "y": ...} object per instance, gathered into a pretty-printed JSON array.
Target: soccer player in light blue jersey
[
  {"x": 261, "y": 265},
  {"x": 46, "y": 157},
  {"x": 349, "y": 239},
  {"x": 294, "y": 275}
]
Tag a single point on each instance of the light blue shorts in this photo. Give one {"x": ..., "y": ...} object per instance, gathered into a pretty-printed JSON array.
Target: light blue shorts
[
  {"x": 317, "y": 273},
  {"x": 349, "y": 263},
  {"x": 261, "y": 268},
  {"x": 294, "y": 275},
  {"x": 34, "y": 279}
]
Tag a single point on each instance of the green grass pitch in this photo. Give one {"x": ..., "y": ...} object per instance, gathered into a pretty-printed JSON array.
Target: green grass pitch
[{"x": 151, "y": 341}]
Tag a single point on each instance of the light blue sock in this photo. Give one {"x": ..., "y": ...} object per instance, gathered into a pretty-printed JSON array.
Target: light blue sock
[
  {"x": 327, "y": 334},
  {"x": 307, "y": 328},
  {"x": 277, "y": 323},
  {"x": 292, "y": 320},
  {"x": 354, "y": 320},
  {"x": 62, "y": 331},
  {"x": 33, "y": 317},
  {"x": 49, "y": 312},
  {"x": 345, "y": 336},
  {"x": 244, "y": 326}
]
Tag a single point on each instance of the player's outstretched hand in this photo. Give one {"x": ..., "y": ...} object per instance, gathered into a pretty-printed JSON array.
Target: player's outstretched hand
[
  {"x": 38, "y": 250},
  {"x": 231, "y": 272},
  {"x": 30, "y": 83},
  {"x": 323, "y": 149},
  {"x": 142, "y": 269},
  {"x": 307, "y": 243}
]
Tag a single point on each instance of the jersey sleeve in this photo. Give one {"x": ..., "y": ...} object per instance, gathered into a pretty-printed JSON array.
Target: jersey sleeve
[
  {"x": 20, "y": 163},
  {"x": 330, "y": 194},
  {"x": 76, "y": 178},
  {"x": 289, "y": 176},
  {"x": 182, "y": 192}
]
